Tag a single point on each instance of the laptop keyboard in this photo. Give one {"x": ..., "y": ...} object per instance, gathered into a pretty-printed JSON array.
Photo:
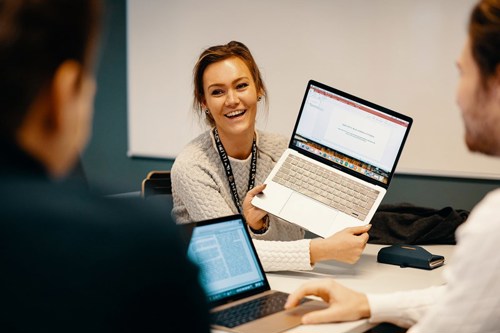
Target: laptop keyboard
[
  {"x": 251, "y": 310},
  {"x": 326, "y": 186}
]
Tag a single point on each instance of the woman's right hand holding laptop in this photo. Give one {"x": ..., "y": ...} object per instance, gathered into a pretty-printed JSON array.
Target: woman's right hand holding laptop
[{"x": 255, "y": 217}]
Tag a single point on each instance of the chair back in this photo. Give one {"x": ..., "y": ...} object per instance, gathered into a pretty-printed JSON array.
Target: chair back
[{"x": 155, "y": 183}]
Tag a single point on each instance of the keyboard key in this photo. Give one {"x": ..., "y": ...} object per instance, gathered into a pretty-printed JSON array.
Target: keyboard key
[
  {"x": 320, "y": 184},
  {"x": 251, "y": 310}
]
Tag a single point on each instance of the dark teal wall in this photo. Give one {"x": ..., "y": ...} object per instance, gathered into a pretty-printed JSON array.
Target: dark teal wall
[
  {"x": 105, "y": 162},
  {"x": 109, "y": 170},
  {"x": 438, "y": 192}
]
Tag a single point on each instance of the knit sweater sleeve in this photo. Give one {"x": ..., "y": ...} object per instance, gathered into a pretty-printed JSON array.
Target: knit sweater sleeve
[
  {"x": 284, "y": 255},
  {"x": 196, "y": 188},
  {"x": 200, "y": 192}
]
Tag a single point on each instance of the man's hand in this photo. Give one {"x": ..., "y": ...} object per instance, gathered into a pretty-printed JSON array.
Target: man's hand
[{"x": 345, "y": 304}]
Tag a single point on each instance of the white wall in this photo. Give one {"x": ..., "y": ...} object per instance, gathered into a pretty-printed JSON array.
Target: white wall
[{"x": 397, "y": 53}]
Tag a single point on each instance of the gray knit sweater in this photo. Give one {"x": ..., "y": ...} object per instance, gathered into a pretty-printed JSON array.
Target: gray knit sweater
[{"x": 201, "y": 191}]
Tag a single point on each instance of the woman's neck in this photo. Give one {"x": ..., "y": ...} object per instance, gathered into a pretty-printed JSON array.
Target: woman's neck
[{"x": 237, "y": 146}]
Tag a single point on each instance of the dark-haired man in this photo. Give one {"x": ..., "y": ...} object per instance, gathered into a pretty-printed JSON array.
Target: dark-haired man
[
  {"x": 469, "y": 300},
  {"x": 70, "y": 261}
]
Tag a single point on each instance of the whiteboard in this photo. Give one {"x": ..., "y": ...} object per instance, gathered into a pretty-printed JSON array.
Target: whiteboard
[{"x": 400, "y": 54}]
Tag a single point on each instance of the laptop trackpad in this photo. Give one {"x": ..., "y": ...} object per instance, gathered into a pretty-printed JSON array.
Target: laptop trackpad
[{"x": 311, "y": 215}]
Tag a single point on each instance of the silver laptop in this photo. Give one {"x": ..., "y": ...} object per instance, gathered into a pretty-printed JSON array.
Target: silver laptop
[
  {"x": 238, "y": 292},
  {"x": 339, "y": 162}
]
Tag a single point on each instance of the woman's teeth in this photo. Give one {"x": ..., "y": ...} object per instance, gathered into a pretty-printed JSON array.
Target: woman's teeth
[{"x": 235, "y": 113}]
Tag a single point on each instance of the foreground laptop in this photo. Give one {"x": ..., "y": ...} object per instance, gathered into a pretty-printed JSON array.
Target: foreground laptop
[
  {"x": 339, "y": 162},
  {"x": 238, "y": 292}
]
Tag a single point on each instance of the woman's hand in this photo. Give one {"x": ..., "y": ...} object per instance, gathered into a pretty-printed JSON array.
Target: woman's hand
[
  {"x": 344, "y": 304},
  {"x": 344, "y": 246},
  {"x": 253, "y": 215}
]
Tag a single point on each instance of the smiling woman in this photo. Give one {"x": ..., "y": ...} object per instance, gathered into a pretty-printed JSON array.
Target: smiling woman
[
  {"x": 231, "y": 101},
  {"x": 217, "y": 174}
]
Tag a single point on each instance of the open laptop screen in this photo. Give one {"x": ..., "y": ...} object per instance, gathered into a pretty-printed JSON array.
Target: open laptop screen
[
  {"x": 350, "y": 132},
  {"x": 228, "y": 262}
]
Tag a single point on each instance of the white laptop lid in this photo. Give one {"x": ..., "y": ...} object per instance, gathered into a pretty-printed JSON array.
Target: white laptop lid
[
  {"x": 349, "y": 133},
  {"x": 350, "y": 137}
]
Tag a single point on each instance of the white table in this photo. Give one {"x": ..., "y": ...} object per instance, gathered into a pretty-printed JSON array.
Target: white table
[{"x": 367, "y": 276}]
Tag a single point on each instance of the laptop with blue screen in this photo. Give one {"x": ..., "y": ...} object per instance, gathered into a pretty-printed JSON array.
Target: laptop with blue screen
[
  {"x": 236, "y": 286},
  {"x": 339, "y": 163}
]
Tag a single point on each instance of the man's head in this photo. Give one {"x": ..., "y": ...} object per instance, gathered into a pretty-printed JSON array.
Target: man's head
[
  {"x": 478, "y": 93},
  {"x": 46, "y": 77}
]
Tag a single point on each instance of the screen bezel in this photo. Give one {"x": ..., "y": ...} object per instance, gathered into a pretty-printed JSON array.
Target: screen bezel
[
  {"x": 366, "y": 103},
  {"x": 265, "y": 287}
]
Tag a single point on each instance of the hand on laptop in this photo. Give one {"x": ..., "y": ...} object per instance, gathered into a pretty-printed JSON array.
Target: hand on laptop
[
  {"x": 253, "y": 215},
  {"x": 344, "y": 246},
  {"x": 345, "y": 304}
]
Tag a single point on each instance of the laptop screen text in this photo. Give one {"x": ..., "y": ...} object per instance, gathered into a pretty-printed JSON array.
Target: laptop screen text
[
  {"x": 348, "y": 133},
  {"x": 227, "y": 262}
]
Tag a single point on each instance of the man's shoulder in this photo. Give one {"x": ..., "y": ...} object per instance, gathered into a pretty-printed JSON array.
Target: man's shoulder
[
  {"x": 484, "y": 216},
  {"x": 70, "y": 205},
  {"x": 96, "y": 257}
]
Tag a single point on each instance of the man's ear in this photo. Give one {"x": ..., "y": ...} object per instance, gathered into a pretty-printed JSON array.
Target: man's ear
[{"x": 64, "y": 92}]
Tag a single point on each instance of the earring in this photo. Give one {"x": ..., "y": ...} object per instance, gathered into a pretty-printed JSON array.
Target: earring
[
  {"x": 207, "y": 112},
  {"x": 259, "y": 98}
]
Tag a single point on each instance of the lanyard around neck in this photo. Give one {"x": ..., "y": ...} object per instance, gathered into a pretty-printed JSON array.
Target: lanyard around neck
[{"x": 229, "y": 171}]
